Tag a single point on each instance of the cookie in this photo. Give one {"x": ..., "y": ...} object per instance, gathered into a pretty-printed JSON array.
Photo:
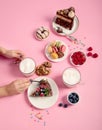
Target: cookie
[
  {"x": 47, "y": 64},
  {"x": 43, "y": 69},
  {"x": 42, "y": 33}
]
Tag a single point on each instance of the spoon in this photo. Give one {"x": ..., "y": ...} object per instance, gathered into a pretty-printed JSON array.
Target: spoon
[
  {"x": 31, "y": 80},
  {"x": 71, "y": 38},
  {"x": 60, "y": 30}
]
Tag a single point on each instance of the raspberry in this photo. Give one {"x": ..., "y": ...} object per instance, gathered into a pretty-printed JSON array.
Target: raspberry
[
  {"x": 80, "y": 63},
  {"x": 89, "y": 54},
  {"x": 83, "y": 59},
  {"x": 95, "y": 55},
  {"x": 89, "y": 48},
  {"x": 42, "y": 94},
  {"x": 75, "y": 61}
]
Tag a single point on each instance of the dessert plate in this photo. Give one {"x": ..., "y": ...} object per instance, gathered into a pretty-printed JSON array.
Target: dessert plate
[
  {"x": 43, "y": 102},
  {"x": 58, "y": 59},
  {"x": 65, "y": 31}
]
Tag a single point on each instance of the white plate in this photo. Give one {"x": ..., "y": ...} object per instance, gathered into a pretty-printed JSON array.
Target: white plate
[
  {"x": 43, "y": 102},
  {"x": 66, "y": 31},
  {"x": 58, "y": 59}
]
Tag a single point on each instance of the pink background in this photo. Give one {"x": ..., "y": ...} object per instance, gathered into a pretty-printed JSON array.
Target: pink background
[{"x": 18, "y": 21}]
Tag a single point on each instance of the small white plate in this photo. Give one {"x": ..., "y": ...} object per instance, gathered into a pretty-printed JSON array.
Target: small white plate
[
  {"x": 66, "y": 31},
  {"x": 43, "y": 102},
  {"x": 58, "y": 59}
]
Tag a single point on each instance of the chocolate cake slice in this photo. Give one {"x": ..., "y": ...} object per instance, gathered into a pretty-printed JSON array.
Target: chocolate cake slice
[
  {"x": 65, "y": 17},
  {"x": 43, "y": 89}
]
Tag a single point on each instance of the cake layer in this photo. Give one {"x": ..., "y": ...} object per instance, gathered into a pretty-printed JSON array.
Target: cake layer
[
  {"x": 64, "y": 23},
  {"x": 65, "y": 17}
]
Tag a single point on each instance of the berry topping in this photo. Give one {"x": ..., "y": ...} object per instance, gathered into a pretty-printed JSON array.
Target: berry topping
[
  {"x": 89, "y": 54},
  {"x": 90, "y": 49},
  {"x": 43, "y": 89},
  {"x": 95, "y": 55},
  {"x": 42, "y": 94}
]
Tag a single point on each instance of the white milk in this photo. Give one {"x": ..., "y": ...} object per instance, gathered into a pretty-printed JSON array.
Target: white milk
[
  {"x": 27, "y": 66},
  {"x": 71, "y": 76}
]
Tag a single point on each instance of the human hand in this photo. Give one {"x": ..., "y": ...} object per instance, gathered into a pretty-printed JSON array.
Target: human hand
[
  {"x": 14, "y": 54},
  {"x": 17, "y": 86}
]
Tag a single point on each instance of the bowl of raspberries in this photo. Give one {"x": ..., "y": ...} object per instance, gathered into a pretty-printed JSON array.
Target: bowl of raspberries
[{"x": 77, "y": 58}]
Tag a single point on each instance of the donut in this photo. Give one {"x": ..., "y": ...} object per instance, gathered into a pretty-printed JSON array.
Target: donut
[{"x": 42, "y": 33}]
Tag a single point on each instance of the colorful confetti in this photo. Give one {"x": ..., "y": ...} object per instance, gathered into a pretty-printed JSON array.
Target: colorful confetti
[
  {"x": 44, "y": 123},
  {"x": 38, "y": 116}
]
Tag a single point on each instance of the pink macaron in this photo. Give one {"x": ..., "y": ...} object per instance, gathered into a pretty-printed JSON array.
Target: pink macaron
[
  {"x": 62, "y": 48},
  {"x": 54, "y": 49}
]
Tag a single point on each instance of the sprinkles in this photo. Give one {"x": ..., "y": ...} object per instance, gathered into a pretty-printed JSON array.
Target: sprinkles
[{"x": 38, "y": 116}]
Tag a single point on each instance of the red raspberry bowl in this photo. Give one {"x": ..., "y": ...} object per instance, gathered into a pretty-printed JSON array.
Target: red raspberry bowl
[{"x": 77, "y": 58}]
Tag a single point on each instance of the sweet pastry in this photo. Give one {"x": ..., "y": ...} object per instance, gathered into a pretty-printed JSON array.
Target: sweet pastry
[
  {"x": 54, "y": 55},
  {"x": 49, "y": 49},
  {"x": 43, "y": 89},
  {"x": 47, "y": 64},
  {"x": 56, "y": 49},
  {"x": 62, "y": 48},
  {"x": 65, "y": 18},
  {"x": 60, "y": 54},
  {"x": 43, "y": 69},
  {"x": 42, "y": 33}
]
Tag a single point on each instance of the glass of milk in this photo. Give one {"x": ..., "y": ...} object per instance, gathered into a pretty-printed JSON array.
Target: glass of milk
[
  {"x": 27, "y": 66},
  {"x": 71, "y": 76}
]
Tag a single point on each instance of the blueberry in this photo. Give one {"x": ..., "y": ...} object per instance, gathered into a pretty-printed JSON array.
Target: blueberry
[
  {"x": 60, "y": 104},
  {"x": 74, "y": 96},
  {"x": 75, "y": 101},
  {"x": 71, "y": 95},
  {"x": 37, "y": 94},
  {"x": 71, "y": 100},
  {"x": 65, "y": 105}
]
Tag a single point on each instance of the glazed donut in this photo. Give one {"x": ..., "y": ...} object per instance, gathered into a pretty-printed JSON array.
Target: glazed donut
[{"x": 42, "y": 33}]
